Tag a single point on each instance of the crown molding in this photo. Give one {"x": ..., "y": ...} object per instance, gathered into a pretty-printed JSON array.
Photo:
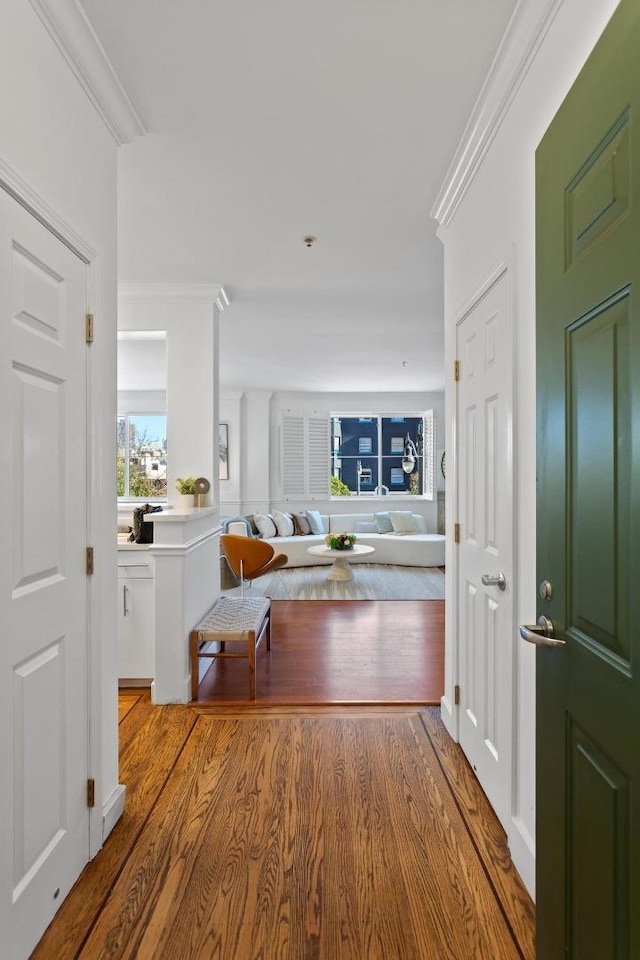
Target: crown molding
[
  {"x": 231, "y": 394},
  {"x": 173, "y": 293},
  {"x": 525, "y": 33},
  {"x": 71, "y": 31}
]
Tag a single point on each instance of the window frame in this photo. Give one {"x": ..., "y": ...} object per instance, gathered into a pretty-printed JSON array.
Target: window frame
[
  {"x": 427, "y": 465},
  {"x": 127, "y": 497}
]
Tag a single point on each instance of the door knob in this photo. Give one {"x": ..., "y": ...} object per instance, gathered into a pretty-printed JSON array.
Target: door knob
[
  {"x": 499, "y": 580},
  {"x": 541, "y": 633}
]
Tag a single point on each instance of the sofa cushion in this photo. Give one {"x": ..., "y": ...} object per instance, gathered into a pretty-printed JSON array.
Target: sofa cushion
[
  {"x": 383, "y": 522},
  {"x": 284, "y": 523},
  {"x": 266, "y": 526},
  {"x": 366, "y": 526},
  {"x": 403, "y": 521},
  {"x": 301, "y": 524},
  {"x": 420, "y": 522},
  {"x": 346, "y": 522},
  {"x": 315, "y": 521}
]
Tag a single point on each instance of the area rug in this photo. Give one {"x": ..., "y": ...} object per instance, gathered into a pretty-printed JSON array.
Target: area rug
[{"x": 371, "y": 581}]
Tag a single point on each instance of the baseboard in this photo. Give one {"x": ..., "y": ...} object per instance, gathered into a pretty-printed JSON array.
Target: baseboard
[
  {"x": 185, "y": 697},
  {"x": 113, "y": 809},
  {"x": 448, "y": 717},
  {"x": 523, "y": 854}
]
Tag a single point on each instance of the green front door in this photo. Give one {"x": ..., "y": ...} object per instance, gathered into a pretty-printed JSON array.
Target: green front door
[{"x": 588, "y": 508}]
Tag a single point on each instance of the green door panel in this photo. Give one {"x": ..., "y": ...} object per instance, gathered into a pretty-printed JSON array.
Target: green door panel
[{"x": 588, "y": 508}]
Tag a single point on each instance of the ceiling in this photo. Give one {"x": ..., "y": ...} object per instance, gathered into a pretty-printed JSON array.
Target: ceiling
[{"x": 268, "y": 120}]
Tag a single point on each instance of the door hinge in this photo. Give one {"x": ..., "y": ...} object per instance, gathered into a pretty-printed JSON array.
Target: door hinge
[
  {"x": 88, "y": 328},
  {"x": 89, "y": 561},
  {"x": 456, "y": 694},
  {"x": 456, "y": 370},
  {"x": 456, "y": 533},
  {"x": 91, "y": 792}
]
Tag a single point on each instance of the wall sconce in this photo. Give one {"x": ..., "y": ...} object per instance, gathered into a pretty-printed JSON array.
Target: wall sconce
[{"x": 409, "y": 456}]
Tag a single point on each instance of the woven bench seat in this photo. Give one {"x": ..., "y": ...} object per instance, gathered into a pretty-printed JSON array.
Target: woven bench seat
[{"x": 243, "y": 620}]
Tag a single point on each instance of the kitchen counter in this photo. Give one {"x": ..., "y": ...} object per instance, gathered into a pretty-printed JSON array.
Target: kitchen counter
[{"x": 124, "y": 544}]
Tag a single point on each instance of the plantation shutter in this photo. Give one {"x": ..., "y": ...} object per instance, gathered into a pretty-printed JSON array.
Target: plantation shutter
[
  {"x": 293, "y": 456},
  {"x": 305, "y": 456},
  {"x": 318, "y": 460}
]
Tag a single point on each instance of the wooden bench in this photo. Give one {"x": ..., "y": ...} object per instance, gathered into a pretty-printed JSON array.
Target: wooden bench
[{"x": 242, "y": 620}]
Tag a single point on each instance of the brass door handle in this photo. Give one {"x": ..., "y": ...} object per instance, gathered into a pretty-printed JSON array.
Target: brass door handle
[{"x": 541, "y": 633}]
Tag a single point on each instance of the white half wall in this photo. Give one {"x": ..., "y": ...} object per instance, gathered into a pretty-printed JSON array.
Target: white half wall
[{"x": 495, "y": 220}]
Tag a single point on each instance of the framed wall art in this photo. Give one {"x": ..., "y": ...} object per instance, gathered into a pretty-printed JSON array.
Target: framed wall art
[{"x": 223, "y": 451}]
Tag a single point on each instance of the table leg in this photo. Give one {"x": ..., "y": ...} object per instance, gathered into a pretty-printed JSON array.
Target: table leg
[{"x": 340, "y": 570}]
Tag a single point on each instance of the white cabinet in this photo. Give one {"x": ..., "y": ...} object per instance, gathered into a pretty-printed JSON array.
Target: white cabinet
[{"x": 136, "y": 627}]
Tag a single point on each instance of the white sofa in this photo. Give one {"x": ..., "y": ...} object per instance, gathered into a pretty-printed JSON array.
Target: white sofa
[{"x": 409, "y": 550}]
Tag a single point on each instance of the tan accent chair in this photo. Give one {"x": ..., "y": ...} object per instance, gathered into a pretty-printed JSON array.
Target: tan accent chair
[{"x": 249, "y": 558}]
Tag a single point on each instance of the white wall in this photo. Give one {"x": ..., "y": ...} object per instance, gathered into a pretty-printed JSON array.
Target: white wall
[
  {"x": 142, "y": 364},
  {"x": 495, "y": 220},
  {"x": 231, "y": 414},
  {"x": 54, "y": 141},
  {"x": 254, "y": 421}
]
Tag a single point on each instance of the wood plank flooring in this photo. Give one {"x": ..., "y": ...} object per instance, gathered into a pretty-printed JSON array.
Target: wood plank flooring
[
  {"x": 349, "y": 651},
  {"x": 295, "y": 834}
]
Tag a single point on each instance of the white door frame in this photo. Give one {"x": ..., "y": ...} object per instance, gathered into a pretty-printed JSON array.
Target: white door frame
[
  {"x": 17, "y": 188},
  {"x": 504, "y": 266}
]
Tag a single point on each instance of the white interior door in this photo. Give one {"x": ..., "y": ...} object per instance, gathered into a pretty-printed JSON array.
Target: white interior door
[
  {"x": 485, "y": 503},
  {"x": 44, "y": 819}
]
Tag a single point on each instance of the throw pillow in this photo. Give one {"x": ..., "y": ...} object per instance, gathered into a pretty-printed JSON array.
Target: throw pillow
[
  {"x": 402, "y": 521},
  {"x": 266, "y": 526},
  {"x": 284, "y": 523},
  {"x": 301, "y": 523},
  {"x": 366, "y": 526},
  {"x": 315, "y": 521},
  {"x": 252, "y": 523},
  {"x": 383, "y": 523},
  {"x": 420, "y": 522}
]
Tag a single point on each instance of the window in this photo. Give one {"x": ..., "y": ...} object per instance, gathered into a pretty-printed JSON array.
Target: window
[
  {"x": 141, "y": 458},
  {"x": 373, "y": 456}
]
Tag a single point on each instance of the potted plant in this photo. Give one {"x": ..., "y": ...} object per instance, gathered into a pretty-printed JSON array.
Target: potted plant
[
  {"x": 340, "y": 541},
  {"x": 186, "y": 487}
]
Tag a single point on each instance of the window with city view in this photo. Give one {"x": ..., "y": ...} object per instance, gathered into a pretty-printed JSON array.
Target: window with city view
[
  {"x": 376, "y": 455},
  {"x": 141, "y": 459}
]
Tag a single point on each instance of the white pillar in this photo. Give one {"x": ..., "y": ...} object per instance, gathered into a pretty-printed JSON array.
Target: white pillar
[{"x": 189, "y": 314}]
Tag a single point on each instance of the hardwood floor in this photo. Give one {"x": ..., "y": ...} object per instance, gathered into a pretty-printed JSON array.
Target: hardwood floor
[
  {"x": 349, "y": 651},
  {"x": 291, "y": 833}
]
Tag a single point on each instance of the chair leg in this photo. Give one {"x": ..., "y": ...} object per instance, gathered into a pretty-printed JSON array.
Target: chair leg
[
  {"x": 195, "y": 672},
  {"x": 251, "y": 640}
]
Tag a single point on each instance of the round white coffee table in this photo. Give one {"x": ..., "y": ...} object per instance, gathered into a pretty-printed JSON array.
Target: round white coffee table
[{"x": 341, "y": 569}]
